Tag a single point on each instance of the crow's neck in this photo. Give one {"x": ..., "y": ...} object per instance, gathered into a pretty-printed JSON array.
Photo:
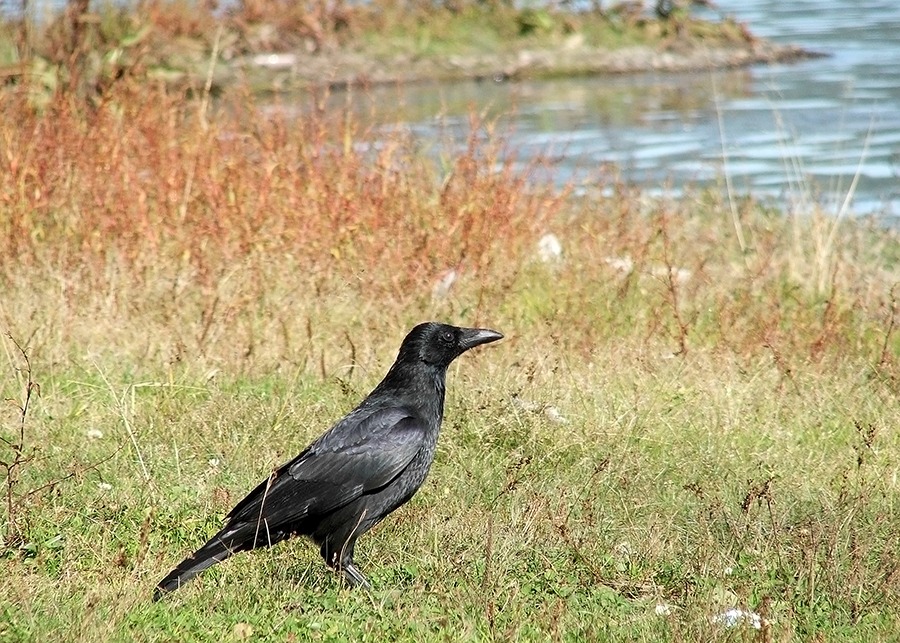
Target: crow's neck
[{"x": 420, "y": 386}]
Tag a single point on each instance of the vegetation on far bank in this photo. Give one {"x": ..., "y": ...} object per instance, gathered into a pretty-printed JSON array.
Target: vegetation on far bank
[
  {"x": 694, "y": 409},
  {"x": 90, "y": 46}
]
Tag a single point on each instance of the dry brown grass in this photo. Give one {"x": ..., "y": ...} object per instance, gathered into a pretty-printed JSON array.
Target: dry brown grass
[
  {"x": 152, "y": 199},
  {"x": 145, "y": 178}
]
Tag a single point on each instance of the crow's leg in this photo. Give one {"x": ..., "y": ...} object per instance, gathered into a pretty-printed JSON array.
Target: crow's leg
[
  {"x": 341, "y": 560},
  {"x": 354, "y": 577}
]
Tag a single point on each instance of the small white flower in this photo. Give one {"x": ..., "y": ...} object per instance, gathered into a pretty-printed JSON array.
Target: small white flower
[
  {"x": 663, "y": 609},
  {"x": 549, "y": 248},
  {"x": 213, "y": 462},
  {"x": 728, "y": 571},
  {"x": 104, "y": 486},
  {"x": 94, "y": 434},
  {"x": 733, "y": 617}
]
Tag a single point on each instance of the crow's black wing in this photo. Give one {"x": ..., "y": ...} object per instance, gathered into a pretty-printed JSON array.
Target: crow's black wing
[
  {"x": 358, "y": 455},
  {"x": 363, "y": 452}
]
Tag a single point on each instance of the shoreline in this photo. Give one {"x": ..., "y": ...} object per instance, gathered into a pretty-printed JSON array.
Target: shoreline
[
  {"x": 287, "y": 71},
  {"x": 364, "y": 47}
]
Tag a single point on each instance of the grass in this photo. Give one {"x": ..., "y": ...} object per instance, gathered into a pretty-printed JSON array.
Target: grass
[
  {"x": 482, "y": 28},
  {"x": 173, "y": 41},
  {"x": 674, "y": 426}
]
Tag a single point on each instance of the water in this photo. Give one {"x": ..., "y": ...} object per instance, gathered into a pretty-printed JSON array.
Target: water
[{"x": 797, "y": 134}]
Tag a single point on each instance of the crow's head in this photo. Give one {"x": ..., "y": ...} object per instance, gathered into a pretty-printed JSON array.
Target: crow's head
[{"x": 439, "y": 344}]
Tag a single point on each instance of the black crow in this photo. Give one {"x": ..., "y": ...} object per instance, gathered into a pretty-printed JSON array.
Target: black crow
[{"x": 360, "y": 470}]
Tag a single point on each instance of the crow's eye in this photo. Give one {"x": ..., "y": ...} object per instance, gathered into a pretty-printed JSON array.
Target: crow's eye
[{"x": 447, "y": 336}]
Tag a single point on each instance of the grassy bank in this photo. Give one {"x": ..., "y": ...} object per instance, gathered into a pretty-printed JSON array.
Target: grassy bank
[
  {"x": 694, "y": 410},
  {"x": 272, "y": 45}
]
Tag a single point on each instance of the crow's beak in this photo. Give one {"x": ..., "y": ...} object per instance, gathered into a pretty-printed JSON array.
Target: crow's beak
[{"x": 473, "y": 337}]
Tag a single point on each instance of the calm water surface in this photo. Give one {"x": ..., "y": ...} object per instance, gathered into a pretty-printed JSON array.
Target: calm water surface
[{"x": 795, "y": 133}]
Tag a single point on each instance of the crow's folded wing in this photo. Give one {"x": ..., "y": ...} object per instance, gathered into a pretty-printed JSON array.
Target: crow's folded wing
[{"x": 358, "y": 455}]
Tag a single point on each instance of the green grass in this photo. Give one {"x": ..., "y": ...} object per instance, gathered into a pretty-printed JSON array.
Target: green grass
[
  {"x": 695, "y": 482},
  {"x": 198, "y": 303},
  {"x": 481, "y": 30},
  {"x": 703, "y": 482}
]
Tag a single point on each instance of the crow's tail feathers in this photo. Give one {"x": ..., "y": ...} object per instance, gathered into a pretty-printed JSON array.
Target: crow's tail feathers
[
  {"x": 215, "y": 551},
  {"x": 236, "y": 536}
]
